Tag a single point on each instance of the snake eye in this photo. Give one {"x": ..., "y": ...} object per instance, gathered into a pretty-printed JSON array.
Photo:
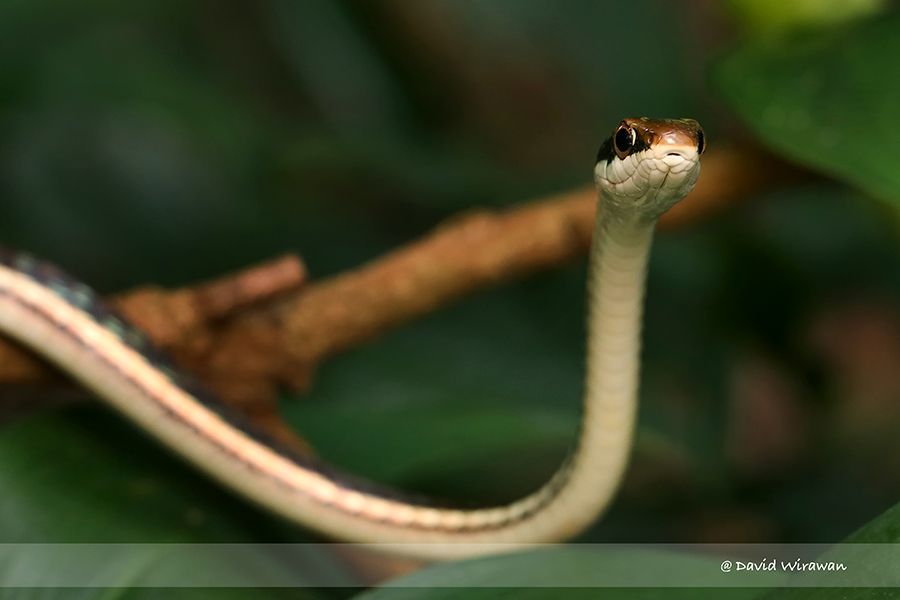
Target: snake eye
[
  {"x": 623, "y": 140},
  {"x": 701, "y": 141}
]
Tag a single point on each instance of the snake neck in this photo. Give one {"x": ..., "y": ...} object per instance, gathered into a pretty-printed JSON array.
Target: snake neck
[
  {"x": 616, "y": 283},
  {"x": 584, "y": 487}
]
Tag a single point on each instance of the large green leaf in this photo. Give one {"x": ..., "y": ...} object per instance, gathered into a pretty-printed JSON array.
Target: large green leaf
[
  {"x": 570, "y": 572},
  {"x": 827, "y": 99},
  {"x": 864, "y": 566},
  {"x": 83, "y": 477}
]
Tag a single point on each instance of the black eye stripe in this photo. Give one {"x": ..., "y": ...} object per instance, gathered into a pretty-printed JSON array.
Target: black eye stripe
[
  {"x": 701, "y": 141},
  {"x": 606, "y": 152}
]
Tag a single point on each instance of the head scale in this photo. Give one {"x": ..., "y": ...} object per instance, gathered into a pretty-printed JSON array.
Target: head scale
[{"x": 648, "y": 165}]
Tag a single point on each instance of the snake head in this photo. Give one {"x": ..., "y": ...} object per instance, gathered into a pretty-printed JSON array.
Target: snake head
[{"x": 648, "y": 165}]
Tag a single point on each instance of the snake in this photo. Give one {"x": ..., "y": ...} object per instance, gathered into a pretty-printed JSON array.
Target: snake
[{"x": 644, "y": 168}]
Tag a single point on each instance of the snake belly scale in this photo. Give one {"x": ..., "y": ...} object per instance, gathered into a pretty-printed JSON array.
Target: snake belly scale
[{"x": 642, "y": 170}]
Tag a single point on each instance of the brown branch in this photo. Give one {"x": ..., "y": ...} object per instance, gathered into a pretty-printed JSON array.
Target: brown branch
[
  {"x": 175, "y": 319},
  {"x": 480, "y": 249},
  {"x": 179, "y": 320},
  {"x": 246, "y": 352}
]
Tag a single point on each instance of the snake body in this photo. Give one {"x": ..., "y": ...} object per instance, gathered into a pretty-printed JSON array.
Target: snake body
[{"x": 643, "y": 169}]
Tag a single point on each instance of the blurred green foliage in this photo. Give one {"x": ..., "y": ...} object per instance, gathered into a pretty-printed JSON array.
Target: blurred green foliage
[
  {"x": 170, "y": 141},
  {"x": 766, "y": 16},
  {"x": 811, "y": 96},
  {"x": 141, "y": 141}
]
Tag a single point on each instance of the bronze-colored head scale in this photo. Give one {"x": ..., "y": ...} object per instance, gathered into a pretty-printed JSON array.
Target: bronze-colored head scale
[
  {"x": 647, "y": 165},
  {"x": 639, "y": 134}
]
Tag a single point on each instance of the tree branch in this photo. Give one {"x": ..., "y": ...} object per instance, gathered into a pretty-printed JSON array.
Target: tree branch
[
  {"x": 483, "y": 248},
  {"x": 245, "y": 351}
]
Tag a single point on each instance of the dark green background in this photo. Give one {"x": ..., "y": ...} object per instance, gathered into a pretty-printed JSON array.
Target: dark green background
[{"x": 168, "y": 142}]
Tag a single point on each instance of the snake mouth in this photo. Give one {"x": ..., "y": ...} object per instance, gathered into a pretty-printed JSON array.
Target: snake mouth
[{"x": 676, "y": 159}]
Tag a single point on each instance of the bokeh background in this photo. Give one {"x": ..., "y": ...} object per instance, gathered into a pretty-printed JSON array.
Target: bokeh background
[{"x": 169, "y": 141}]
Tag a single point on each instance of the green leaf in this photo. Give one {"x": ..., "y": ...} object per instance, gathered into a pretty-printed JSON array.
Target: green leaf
[
  {"x": 827, "y": 100},
  {"x": 884, "y": 529},
  {"x": 773, "y": 15},
  {"x": 567, "y": 572},
  {"x": 85, "y": 476}
]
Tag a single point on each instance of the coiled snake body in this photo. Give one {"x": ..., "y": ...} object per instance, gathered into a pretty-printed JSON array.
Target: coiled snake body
[{"x": 642, "y": 170}]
